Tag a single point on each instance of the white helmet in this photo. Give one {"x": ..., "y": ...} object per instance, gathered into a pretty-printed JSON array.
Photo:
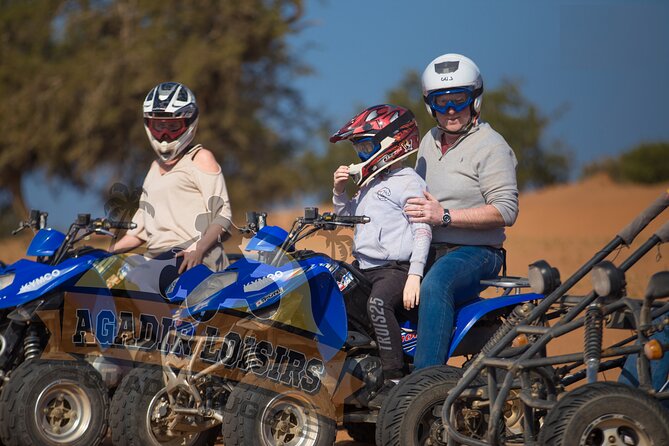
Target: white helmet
[
  {"x": 170, "y": 118},
  {"x": 449, "y": 72}
]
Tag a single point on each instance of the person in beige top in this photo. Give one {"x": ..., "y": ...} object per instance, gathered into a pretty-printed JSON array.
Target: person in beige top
[{"x": 184, "y": 205}]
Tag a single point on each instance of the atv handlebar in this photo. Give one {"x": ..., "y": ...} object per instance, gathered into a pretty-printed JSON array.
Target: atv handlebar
[
  {"x": 36, "y": 221},
  {"x": 101, "y": 224},
  {"x": 312, "y": 217},
  {"x": 118, "y": 224},
  {"x": 346, "y": 219},
  {"x": 327, "y": 221},
  {"x": 255, "y": 221},
  {"x": 356, "y": 219}
]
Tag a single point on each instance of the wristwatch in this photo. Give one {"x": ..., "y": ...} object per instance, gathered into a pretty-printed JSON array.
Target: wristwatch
[{"x": 446, "y": 218}]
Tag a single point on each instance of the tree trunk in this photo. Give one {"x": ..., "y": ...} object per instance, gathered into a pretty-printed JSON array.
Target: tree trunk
[{"x": 13, "y": 183}]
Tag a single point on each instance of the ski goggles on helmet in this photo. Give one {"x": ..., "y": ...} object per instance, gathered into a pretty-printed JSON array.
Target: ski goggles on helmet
[
  {"x": 458, "y": 99},
  {"x": 167, "y": 130},
  {"x": 365, "y": 147}
]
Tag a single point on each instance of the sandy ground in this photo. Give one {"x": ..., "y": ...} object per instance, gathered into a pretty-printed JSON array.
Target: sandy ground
[{"x": 565, "y": 225}]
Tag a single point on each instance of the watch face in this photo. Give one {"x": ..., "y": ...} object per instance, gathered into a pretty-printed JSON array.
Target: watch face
[{"x": 446, "y": 218}]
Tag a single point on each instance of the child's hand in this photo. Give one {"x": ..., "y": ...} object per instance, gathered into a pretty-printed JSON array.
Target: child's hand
[
  {"x": 340, "y": 179},
  {"x": 192, "y": 257},
  {"x": 412, "y": 291}
]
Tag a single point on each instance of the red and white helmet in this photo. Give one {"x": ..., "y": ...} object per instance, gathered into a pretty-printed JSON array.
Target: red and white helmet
[
  {"x": 381, "y": 135},
  {"x": 170, "y": 118}
]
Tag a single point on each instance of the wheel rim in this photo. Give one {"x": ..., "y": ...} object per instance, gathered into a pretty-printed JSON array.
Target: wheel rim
[
  {"x": 429, "y": 429},
  {"x": 158, "y": 417},
  {"x": 513, "y": 413},
  {"x": 615, "y": 429},
  {"x": 63, "y": 412},
  {"x": 289, "y": 421}
]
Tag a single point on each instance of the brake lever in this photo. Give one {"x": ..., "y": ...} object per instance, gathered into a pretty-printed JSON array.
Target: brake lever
[
  {"x": 20, "y": 228},
  {"x": 104, "y": 232}
]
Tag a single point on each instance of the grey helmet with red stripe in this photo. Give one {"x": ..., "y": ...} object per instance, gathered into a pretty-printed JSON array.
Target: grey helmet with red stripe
[
  {"x": 170, "y": 118},
  {"x": 389, "y": 131}
]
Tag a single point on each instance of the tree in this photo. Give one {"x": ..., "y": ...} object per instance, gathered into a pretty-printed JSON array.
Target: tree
[
  {"x": 27, "y": 80},
  {"x": 645, "y": 164},
  {"x": 80, "y": 69}
]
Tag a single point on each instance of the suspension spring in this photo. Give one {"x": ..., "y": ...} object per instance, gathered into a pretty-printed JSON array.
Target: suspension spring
[
  {"x": 518, "y": 314},
  {"x": 31, "y": 345},
  {"x": 592, "y": 351}
]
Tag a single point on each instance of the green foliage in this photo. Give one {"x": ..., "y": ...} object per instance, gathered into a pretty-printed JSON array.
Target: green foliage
[
  {"x": 27, "y": 77},
  {"x": 75, "y": 72},
  {"x": 646, "y": 164}
]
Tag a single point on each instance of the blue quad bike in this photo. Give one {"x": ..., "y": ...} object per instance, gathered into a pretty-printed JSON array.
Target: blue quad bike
[
  {"x": 278, "y": 348},
  {"x": 64, "y": 399}
]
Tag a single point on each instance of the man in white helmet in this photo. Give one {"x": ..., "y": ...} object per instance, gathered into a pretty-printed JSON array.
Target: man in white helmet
[
  {"x": 184, "y": 206},
  {"x": 470, "y": 171}
]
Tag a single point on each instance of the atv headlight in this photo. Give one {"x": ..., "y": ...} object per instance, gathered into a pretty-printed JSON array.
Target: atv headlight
[
  {"x": 209, "y": 287},
  {"x": 543, "y": 278},
  {"x": 607, "y": 279},
  {"x": 6, "y": 280}
]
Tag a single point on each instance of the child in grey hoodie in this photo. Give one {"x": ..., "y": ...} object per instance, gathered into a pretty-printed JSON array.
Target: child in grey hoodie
[{"x": 390, "y": 251}]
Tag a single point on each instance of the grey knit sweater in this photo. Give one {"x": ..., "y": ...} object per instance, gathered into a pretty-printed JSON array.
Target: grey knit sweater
[{"x": 480, "y": 169}]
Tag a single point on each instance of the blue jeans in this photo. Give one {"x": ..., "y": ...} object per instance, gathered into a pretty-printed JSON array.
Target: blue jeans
[{"x": 453, "y": 280}]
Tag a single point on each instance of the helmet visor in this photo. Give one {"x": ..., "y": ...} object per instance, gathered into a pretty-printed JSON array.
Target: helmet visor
[
  {"x": 365, "y": 147},
  {"x": 458, "y": 99},
  {"x": 164, "y": 129}
]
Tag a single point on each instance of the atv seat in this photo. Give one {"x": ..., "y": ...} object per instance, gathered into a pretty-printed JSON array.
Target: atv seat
[{"x": 508, "y": 283}]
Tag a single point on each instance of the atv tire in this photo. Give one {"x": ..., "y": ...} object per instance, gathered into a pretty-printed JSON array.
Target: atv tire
[
  {"x": 136, "y": 419},
  {"x": 54, "y": 402},
  {"x": 606, "y": 413},
  {"x": 411, "y": 413},
  {"x": 262, "y": 412}
]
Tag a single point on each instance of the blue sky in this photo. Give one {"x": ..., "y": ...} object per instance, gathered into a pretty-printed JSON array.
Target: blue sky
[{"x": 606, "y": 61}]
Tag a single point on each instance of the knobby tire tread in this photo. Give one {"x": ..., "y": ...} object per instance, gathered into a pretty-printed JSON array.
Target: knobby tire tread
[{"x": 24, "y": 379}]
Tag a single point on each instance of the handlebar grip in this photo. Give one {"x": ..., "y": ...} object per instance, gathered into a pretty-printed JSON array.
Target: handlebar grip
[
  {"x": 122, "y": 225},
  {"x": 354, "y": 219},
  {"x": 629, "y": 233}
]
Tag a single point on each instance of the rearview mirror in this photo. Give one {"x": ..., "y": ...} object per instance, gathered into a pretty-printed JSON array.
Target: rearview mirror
[{"x": 658, "y": 286}]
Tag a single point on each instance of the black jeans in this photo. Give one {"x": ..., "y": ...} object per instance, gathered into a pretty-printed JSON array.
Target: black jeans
[{"x": 384, "y": 304}]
